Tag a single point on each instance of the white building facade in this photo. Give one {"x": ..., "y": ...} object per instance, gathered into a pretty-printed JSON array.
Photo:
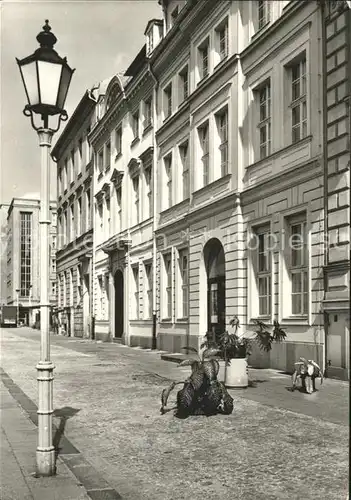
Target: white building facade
[{"x": 211, "y": 163}]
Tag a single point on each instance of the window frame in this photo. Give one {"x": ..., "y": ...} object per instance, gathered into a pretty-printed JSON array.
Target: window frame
[
  {"x": 167, "y": 287},
  {"x": 136, "y": 290},
  {"x": 183, "y": 288},
  {"x": 299, "y": 102},
  {"x": 205, "y": 151},
  {"x": 264, "y": 118},
  {"x": 184, "y": 159}
]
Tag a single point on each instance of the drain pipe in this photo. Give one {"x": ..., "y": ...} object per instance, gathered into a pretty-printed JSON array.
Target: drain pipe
[{"x": 154, "y": 221}]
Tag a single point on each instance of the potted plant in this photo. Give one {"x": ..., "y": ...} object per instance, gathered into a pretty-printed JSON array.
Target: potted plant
[{"x": 234, "y": 349}]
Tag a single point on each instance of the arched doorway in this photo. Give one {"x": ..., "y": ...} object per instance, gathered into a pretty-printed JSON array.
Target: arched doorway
[
  {"x": 215, "y": 271},
  {"x": 119, "y": 304}
]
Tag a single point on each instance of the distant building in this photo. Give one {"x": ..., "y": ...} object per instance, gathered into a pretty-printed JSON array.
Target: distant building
[
  {"x": 3, "y": 252},
  {"x": 73, "y": 155},
  {"x": 23, "y": 257}
]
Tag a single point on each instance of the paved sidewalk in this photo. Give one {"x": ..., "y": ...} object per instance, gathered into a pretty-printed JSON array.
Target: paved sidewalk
[
  {"x": 17, "y": 460},
  {"x": 118, "y": 435},
  {"x": 269, "y": 387}
]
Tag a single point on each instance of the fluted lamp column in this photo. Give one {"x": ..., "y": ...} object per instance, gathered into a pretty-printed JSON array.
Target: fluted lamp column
[{"x": 46, "y": 77}]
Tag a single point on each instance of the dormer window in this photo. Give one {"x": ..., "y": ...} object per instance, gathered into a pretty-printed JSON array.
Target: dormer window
[{"x": 150, "y": 42}]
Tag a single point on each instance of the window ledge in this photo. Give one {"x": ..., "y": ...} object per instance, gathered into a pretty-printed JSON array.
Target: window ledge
[
  {"x": 203, "y": 80},
  {"x": 222, "y": 61},
  {"x": 295, "y": 320},
  {"x": 79, "y": 175},
  {"x": 134, "y": 142},
  {"x": 261, "y": 30},
  {"x": 182, "y": 320},
  {"x": 72, "y": 184},
  {"x": 147, "y": 129},
  {"x": 166, "y": 320},
  {"x": 100, "y": 176},
  {"x": 107, "y": 169},
  {"x": 118, "y": 156}
]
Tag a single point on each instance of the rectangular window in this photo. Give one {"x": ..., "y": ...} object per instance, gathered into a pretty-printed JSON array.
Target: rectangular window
[
  {"x": 167, "y": 95},
  {"x": 263, "y": 13},
  {"x": 87, "y": 146},
  {"x": 221, "y": 34},
  {"x": 222, "y": 125},
  {"x": 108, "y": 218},
  {"x": 26, "y": 253},
  {"x": 108, "y": 156},
  {"x": 148, "y": 182},
  {"x": 148, "y": 288},
  {"x": 184, "y": 158},
  {"x": 72, "y": 228},
  {"x": 298, "y": 101},
  {"x": 264, "y": 124},
  {"x": 79, "y": 217},
  {"x": 183, "y": 84},
  {"x": 136, "y": 291},
  {"x": 88, "y": 210},
  {"x": 66, "y": 174},
  {"x": 147, "y": 114},
  {"x": 71, "y": 288},
  {"x": 299, "y": 267},
  {"x": 101, "y": 297},
  {"x": 135, "y": 125},
  {"x": 184, "y": 282},
  {"x": 119, "y": 208},
  {"x": 80, "y": 155},
  {"x": 100, "y": 160},
  {"x": 167, "y": 260},
  {"x": 264, "y": 274},
  {"x": 203, "y": 59},
  {"x": 136, "y": 199},
  {"x": 168, "y": 173},
  {"x": 205, "y": 160},
  {"x": 73, "y": 168},
  {"x": 118, "y": 141}
]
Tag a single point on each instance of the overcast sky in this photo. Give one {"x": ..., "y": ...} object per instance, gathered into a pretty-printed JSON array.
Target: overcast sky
[{"x": 99, "y": 38}]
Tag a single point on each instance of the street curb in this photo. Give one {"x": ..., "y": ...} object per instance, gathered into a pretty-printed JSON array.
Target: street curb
[{"x": 96, "y": 486}]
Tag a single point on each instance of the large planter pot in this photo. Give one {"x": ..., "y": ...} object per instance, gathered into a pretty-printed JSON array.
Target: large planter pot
[{"x": 236, "y": 374}]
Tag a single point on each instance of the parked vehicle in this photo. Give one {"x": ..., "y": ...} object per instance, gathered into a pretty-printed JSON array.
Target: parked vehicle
[{"x": 8, "y": 316}]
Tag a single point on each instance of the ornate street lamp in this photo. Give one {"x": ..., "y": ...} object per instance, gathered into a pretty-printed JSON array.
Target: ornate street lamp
[{"x": 46, "y": 77}]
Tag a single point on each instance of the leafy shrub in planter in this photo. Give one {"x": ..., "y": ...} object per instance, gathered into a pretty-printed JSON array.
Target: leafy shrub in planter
[{"x": 233, "y": 345}]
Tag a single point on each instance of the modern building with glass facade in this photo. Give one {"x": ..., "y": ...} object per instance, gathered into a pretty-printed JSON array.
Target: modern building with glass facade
[{"x": 23, "y": 257}]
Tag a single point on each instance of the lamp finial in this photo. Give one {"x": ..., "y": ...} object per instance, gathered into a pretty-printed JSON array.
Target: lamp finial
[{"x": 45, "y": 37}]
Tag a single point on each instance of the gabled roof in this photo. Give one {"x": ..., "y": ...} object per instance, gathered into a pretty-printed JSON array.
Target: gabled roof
[{"x": 137, "y": 63}]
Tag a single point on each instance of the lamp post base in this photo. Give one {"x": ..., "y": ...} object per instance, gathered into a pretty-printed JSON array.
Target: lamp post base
[
  {"x": 45, "y": 449},
  {"x": 46, "y": 462}
]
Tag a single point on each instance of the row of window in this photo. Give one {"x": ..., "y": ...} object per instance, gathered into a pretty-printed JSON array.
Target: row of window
[
  {"x": 74, "y": 163},
  {"x": 295, "y": 259},
  {"x": 104, "y": 155},
  {"x": 177, "y": 288},
  {"x": 75, "y": 219},
  {"x": 65, "y": 290}
]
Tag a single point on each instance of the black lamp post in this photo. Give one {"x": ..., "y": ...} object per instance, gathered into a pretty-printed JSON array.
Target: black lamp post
[{"x": 46, "y": 78}]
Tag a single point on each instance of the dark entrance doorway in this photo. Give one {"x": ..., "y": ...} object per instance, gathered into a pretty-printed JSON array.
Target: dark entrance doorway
[
  {"x": 215, "y": 269},
  {"x": 119, "y": 304}
]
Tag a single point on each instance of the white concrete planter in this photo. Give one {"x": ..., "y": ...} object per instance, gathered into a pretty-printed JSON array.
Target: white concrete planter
[{"x": 236, "y": 375}]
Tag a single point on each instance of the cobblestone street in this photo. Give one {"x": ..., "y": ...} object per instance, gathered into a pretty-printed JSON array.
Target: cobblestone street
[{"x": 275, "y": 445}]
